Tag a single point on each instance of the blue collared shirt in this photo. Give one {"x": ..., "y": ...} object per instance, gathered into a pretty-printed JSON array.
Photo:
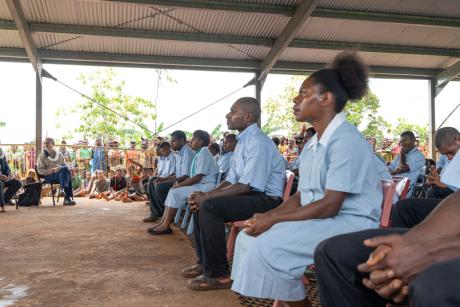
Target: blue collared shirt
[
  {"x": 341, "y": 161},
  {"x": 451, "y": 175},
  {"x": 166, "y": 165},
  {"x": 184, "y": 161},
  {"x": 224, "y": 162},
  {"x": 257, "y": 162},
  {"x": 415, "y": 160},
  {"x": 206, "y": 165}
]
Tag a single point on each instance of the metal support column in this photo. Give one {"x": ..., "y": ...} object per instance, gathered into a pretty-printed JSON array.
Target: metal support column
[
  {"x": 432, "y": 113},
  {"x": 38, "y": 115},
  {"x": 258, "y": 87}
]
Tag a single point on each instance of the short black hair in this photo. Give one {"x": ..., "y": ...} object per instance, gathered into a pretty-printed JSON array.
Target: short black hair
[
  {"x": 408, "y": 134},
  {"x": 179, "y": 134},
  {"x": 164, "y": 144},
  {"x": 276, "y": 140},
  {"x": 215, "y": 146},
  {"x": 232, "y": 137},
  {"x": 446, "y": 136},
  {"x": 251, "y": 105},
  {"x": 203, "y": 135},
  {"x": 347, "y": 79}
]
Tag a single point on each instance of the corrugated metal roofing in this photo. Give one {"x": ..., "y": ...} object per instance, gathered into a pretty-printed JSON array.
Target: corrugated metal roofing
[
  {"x": 10, "y": 39},
  {"x": 117, "y": 14}
]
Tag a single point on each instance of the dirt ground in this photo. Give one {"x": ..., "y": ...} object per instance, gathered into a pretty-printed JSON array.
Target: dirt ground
[{"x": 96, "y": 253}]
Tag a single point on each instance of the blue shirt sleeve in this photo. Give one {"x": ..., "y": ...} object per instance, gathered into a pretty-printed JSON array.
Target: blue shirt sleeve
[
  {"x": 231, "y": 176},
  {"x": 201, "y": 164},
  {"x": 393, "y": 165}
]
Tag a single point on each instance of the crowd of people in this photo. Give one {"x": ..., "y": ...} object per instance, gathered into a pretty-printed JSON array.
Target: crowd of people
[{"x": 330, "y": 220}]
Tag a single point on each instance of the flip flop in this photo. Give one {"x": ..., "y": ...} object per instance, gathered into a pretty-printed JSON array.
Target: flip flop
[
  {"x": 192, "y": 271},
  {"x": 204, "y": 283}
]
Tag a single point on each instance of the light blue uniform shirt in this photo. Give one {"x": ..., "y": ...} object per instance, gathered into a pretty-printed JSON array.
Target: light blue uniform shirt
[
  {"x": 224, "y": 162},
  {"x": 184, "y": 161},
  {"x": 442, "y": 162},
  {"x": 257, "y": 163},
  {"x": 451, "y": 173},
  {"x": 382, "y": 169},
  {"x": 343, "y": 161},
  {"x": 415, "y": 160},
  {"x": 167, "y": 165},
  {"x": 206, "y": 166}
]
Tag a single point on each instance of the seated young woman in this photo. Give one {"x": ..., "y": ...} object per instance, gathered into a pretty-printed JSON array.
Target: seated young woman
[
  {"x": 117, "y": 185},
  {"x": 203, "y": 176},
  {"x": 339, "y": 190}
]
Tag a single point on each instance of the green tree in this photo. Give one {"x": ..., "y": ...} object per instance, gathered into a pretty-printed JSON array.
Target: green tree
[
  {"x": 216, "y": 133},
  {"x": 2, "y": 124},
  {"x": 97, "y": 121},
  {"x": 362, "y": 113}
]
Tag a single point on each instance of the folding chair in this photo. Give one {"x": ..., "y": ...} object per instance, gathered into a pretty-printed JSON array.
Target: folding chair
[
  {"x": 402, "y": 186},
  {"x": 54, "y": 186}
]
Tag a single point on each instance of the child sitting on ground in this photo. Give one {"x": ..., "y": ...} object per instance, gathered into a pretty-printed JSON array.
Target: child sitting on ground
[
  {"x": 82, "y": 191},
  {"x": 134, "y": 190},
  {"x": 31, "y": 177},
  {"x": 203, "y": 176},
  {"x": 117, "y": 185},
  {"x": 102, "y": 187},
  {"x": 76, "y": 183}
]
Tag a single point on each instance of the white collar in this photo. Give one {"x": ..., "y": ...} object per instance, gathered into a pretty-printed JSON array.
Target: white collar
[{"x": 338, "y": 119}]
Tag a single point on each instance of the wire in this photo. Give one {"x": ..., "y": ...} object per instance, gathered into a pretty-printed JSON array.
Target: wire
[
  {"x": 46, "y": 74},
  {"x": 448, "y": 116}
]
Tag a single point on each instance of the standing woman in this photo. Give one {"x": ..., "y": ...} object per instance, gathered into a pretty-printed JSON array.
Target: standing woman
[{"x": 339, "y": 190}]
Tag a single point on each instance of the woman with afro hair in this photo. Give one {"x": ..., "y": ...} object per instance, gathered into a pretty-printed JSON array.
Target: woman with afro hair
[{"x": 339, "y": 190}]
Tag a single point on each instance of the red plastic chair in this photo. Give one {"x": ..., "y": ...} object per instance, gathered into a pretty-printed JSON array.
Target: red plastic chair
[
  {"x": 237, "y": 226},
  {"x": 402, "y": 186}
]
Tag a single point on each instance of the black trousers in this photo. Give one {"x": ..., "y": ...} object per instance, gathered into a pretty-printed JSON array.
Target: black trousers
[
  {"x": 13, "y": 186},
  {"x": 411, "y": 211},
  {"x": 157, "y": 194},
  {"x": 209, "y": 226},
  {"x": 437, "y": 192},
  {"x": 340, "y": 285}
]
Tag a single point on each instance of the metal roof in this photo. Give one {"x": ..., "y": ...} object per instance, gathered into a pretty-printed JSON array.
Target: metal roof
[{"x": 397, "y": 38}]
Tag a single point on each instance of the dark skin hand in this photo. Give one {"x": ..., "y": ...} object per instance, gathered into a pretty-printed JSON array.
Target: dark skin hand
[
  {"x": 397, "y": 259},
  {"x": 434, "y": 179},
  {"x": 224, "y": 189},
  {"x": 291, "y": 210},
  {"x": 188, "y": 181},
  {"x": 406, "y": 146}
]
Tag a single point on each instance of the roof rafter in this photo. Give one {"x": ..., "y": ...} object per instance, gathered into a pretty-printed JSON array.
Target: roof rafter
[
  {"x": 301, "y": 14},
  {"x": 22, "y": 27},
  {"x": 447, "y": 75},
  {"x": 228, "y": 39}
]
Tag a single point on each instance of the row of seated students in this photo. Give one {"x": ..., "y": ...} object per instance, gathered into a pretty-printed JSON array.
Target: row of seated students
[{"x": 339, "y": 192}]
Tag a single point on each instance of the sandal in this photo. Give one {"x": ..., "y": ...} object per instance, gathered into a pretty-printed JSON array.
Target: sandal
[
  {"x": 192, "y": 271},
  {"x": 204, "y": 283}
]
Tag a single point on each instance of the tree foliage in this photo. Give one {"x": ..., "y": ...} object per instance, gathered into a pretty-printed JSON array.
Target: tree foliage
[
  {"x": 362, "y": 113},
  {"x": 97, "y": 121},
  {"x": 2, "y": 124},
  {"x": 402, "y": 125}
]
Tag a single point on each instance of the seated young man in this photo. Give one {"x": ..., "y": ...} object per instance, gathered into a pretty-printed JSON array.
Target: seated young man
[
  {"x": 7, "y": 182},
  {"x": 411, "y": 211},
  {"x": 203, "y": 175},
  {"x": 410, "y": 162},
  {"x": 420, "y": 265},
  {"x": 339, "y": 191},
  {"x": 254, "y": 184},
  {"x": 159, "y": 187},
  {"x": 52, "y": 166},
  {"x": 225, "y": 159},
  {"x": 102, "y": 186},
  {"x": 117, "y": 185}
]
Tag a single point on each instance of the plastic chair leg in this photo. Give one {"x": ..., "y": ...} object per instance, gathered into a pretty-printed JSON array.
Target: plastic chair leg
[
  {"x": 177, "y": 217},
  {"x": 190, "y": 226},
  {"x": 186, "y": 217}
]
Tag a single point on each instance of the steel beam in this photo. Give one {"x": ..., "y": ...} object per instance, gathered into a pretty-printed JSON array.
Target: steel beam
[
  {"x": 14, "y": 6},
  {"x": 432, "y": 113},
  {"x": 443, "y": 78},
  {"x": 231, "y": 39},
  {"x": 38, "y": 115},
  {"x": 302, "y": 13}
]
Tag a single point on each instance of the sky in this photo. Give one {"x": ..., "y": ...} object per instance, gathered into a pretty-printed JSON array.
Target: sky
[{"x": 191, "y": 91}]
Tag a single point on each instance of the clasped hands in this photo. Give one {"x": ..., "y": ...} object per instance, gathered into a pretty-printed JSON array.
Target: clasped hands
[{"x": 395, "y": 261}]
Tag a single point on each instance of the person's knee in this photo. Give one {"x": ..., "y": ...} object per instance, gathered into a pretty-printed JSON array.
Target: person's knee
[{"x": 329, "y": 249}]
